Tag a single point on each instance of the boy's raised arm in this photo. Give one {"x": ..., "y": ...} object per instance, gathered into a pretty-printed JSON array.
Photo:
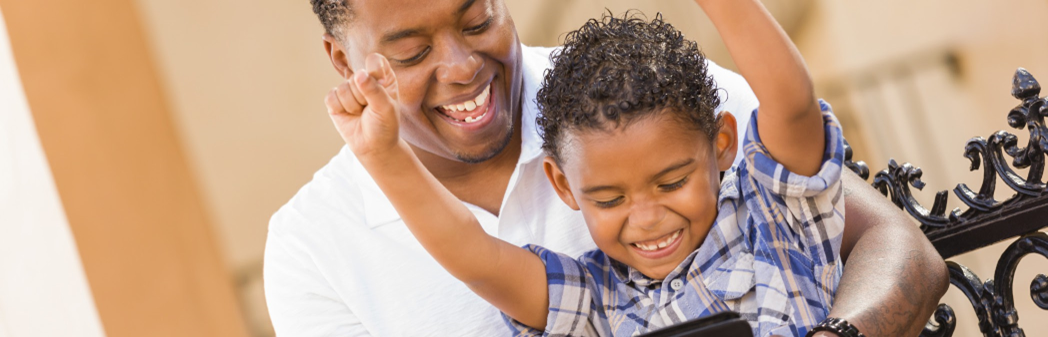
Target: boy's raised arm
[
  {"x": 789, "y": 121},
  {"x": 365, "y": 111}
]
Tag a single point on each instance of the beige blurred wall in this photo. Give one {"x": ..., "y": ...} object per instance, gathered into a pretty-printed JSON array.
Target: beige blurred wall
[
  {"x": 245, "y": 82},
  {"x": 142, "y": 235},
  {"x": 47, "y": 295}
]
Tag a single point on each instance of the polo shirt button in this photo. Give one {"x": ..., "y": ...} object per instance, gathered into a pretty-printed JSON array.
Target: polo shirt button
[{"x": 676, "y": 284}]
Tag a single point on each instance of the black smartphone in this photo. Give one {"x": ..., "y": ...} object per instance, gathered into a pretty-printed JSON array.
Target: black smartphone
[{"x": 726, "y": 323}]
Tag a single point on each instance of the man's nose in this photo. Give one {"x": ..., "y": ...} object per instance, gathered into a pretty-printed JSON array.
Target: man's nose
[
  {"x": 460, "y": 66},
  {"x": 646, "y": 214}
]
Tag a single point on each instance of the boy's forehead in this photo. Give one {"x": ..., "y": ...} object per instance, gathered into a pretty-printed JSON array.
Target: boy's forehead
[{"x": 646, "y": 144}]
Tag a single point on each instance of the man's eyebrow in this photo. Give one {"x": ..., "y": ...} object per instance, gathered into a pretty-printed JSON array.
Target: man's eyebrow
[
  {"x": 465, "y": 6},
  {"x": 416, "y": 31},
  {"x": 401, "y": 34},
  {"x": 674, "y": 167}
]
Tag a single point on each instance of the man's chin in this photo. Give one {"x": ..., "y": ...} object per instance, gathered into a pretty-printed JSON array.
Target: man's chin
[{"x": 484, "y": 155}]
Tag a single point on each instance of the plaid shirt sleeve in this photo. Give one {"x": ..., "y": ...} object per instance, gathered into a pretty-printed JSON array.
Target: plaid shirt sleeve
[
  {"x": 803, "y": 219},
  {"x": 571, "y": 297}
]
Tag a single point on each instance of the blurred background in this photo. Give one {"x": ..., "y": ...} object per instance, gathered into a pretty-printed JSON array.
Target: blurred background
[{"x": 144, "y": 144}]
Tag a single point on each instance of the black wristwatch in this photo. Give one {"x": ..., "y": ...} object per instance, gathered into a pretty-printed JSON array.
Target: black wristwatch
[{"x": 838, "y": 326}]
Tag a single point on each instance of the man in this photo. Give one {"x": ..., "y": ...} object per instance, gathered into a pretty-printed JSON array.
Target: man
[{"x": 340, "y": 262}]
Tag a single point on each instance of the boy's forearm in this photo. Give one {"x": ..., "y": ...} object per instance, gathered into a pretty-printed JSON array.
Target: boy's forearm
[
  {"x": 790, "y": 121},
  {"x": 893, "y": 276},
  {"x": 440, "y": 222},
  {"x": 764, "y": 55},
  {"x": 509, "y": 277}
]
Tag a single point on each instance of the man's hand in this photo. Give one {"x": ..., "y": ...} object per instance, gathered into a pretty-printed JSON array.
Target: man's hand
[{"x": 366, "y": 110}]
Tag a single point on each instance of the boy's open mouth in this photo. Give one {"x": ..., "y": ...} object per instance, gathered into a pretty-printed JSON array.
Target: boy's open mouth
[{"x": 659, "y": 246}]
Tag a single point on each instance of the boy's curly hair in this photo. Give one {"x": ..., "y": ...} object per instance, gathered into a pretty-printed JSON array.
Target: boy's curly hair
[{"x": 614, "y": 70}]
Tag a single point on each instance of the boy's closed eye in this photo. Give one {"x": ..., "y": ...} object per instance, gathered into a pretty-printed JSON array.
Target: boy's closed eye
[
  {"x": 609, "y": 203},
  {"x": 674, "y": 185},
  {"x": 617, "y": 200}
]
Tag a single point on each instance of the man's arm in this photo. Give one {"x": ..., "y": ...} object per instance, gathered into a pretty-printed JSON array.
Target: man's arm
[{"x": 893, "y": 276}]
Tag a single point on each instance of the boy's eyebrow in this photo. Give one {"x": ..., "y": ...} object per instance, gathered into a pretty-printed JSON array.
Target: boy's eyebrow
[
  {"x": 595, "y": 189},
  {"x": 665, "y": 171},
  {"x": 673, "y": 167},
  {"x": 390, "y": 37}
]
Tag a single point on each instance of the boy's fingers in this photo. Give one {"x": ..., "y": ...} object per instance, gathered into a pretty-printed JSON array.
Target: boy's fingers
[
  {"x": 334, "y": 107},
  {"x": 345, "y": 100},
  {"x": 379, "y": 68},
  {"x": 357, "y": 94},
  {"x": 376, "y": 96}
]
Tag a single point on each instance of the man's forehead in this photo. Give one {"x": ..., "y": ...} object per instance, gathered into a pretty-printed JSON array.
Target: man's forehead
[{"x": 394, "y": 19}]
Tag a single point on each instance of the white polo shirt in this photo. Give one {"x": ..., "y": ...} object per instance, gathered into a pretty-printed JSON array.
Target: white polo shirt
[{"x": 340, "y": 262}]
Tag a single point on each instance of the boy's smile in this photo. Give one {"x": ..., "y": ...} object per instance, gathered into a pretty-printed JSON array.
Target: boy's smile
[{"x": 647, "y": 190}]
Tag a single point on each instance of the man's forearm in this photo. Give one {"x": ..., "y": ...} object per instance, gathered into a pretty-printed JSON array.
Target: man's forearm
[{"x": 893, "y": 276}]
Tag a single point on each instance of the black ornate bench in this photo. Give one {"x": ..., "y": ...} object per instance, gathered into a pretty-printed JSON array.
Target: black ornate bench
[{"x": 987, "y": 220}]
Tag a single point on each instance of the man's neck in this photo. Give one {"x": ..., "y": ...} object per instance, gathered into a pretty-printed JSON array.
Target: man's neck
[{"x": 482, "y": 184}]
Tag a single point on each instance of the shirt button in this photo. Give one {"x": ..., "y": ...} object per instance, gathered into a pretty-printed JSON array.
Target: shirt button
[{"x": 676, "y": 284}]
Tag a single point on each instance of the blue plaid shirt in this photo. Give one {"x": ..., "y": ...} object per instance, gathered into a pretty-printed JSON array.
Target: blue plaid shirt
[{"x": 772, "y": 255}]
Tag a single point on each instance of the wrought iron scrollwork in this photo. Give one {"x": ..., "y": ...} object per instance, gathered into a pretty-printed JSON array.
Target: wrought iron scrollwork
[
  {"x": 993, "y": 301},
  {"x": 895, "y": 182},
  {"x": 988, "y": 154},
  {"x": 944, "y": 322},
  {"x": 987, "y": 220},
  {"x": 859, "y": 167}
]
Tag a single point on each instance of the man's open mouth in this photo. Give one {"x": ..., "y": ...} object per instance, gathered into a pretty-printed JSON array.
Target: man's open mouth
[{"x": 470, "y": 111}]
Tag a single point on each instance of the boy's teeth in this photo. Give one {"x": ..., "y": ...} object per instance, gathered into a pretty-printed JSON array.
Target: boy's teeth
[
  {"x": 470, "y": 106},
  {"x": 659, "y": 245}
]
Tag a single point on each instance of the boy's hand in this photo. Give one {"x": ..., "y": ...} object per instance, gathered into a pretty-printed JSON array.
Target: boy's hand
[{"x": 366, "y": 109}]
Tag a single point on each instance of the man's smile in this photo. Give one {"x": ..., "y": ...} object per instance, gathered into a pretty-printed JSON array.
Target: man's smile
[{"x": 472, "y": 113}]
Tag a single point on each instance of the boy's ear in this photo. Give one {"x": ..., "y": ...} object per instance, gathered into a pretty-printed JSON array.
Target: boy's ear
[
  {"x": 335, "y": 52},
  {"x": 560, "y": 182},
  {"x": 727, "y": 141}
]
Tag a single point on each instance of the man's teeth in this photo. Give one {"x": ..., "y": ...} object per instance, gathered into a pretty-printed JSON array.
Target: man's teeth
[
  {"x": 470, "y": 105},
  {"x": 658, "y": 245}
]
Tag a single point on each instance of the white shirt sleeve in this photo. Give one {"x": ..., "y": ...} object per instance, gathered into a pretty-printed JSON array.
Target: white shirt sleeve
[
  {"x": 300, "y": 300},
  {"x": 736, "y": 97}
]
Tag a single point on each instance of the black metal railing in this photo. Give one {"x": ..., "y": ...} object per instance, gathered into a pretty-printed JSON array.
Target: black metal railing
[{"x": 987, "y": 220}]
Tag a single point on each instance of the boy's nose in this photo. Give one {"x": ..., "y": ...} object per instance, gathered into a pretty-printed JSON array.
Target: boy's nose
[{"x": 646, "y": 214}]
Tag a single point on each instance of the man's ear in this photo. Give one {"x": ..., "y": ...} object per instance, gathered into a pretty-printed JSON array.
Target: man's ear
[
  {"x": 727, "y": 141},
  {"x": 337, "y": 54},
  {"x": 560, "y": 182}
]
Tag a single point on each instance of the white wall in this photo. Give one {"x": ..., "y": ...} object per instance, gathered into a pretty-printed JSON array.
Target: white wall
[{"x": 43, "y": 290}]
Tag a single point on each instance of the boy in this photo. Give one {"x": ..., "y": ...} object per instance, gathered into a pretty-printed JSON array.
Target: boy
[{"x": 632, "y": 143}]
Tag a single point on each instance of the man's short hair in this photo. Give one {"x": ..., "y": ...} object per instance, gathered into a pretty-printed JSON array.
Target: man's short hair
[{"x": 333, "y": 14}]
